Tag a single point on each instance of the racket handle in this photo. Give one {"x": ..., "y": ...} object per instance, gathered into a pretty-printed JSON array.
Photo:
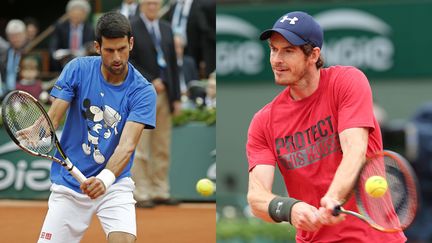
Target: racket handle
[
  {"x": 337, "y": 210},
  {"x": 76, "y": 173}
]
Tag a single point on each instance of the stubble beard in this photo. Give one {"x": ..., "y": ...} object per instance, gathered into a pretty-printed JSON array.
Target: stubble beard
[
  {"x": 116, "y": 71},
  {"x": 292, "y": 79}
]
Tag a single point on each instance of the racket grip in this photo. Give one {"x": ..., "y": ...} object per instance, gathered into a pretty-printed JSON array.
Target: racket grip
[
  {"x": 337, "y": 210},
  {"x": 76, "y": 173}
]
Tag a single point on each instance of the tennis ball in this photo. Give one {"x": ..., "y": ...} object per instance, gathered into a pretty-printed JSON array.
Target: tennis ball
[
  {"x": 205, "y": 187},
  {"x": 376, "y": 186}
]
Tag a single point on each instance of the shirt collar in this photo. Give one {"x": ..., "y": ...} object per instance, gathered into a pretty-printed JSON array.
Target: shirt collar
[
  {"x": 80, "y": 27},
  {"x": 149, "y": 23}
]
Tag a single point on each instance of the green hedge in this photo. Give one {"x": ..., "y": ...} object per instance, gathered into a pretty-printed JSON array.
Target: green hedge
[
  {"x": 205, "y": 115},
  {"x": 208, "y": 116},
  {"x": 253, "y": 231}
]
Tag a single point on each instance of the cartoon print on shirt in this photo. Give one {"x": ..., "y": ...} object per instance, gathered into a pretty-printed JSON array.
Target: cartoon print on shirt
[{"x": 100, "y": 122}]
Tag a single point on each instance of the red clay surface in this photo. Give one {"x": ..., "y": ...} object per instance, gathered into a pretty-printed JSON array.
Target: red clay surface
[{"x": 20, "y": 222}]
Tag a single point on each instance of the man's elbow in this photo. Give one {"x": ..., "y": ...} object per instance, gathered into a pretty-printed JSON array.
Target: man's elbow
[{"x": 252, "y": 201}]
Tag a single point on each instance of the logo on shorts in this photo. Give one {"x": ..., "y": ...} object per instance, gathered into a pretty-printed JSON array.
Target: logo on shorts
[{"x": 46, "y": 236}]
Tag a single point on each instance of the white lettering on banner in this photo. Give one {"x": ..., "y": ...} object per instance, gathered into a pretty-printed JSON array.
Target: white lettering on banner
[
  {"x": 351, "y": 19},
  {"x": 371, "y": 53},
  {"x": 233, "y": 57},
  {"x": 35, "y": 176},
  {"x": 374, "y": 52},
  {"x": 38, "y": 179},
  {"x": 7, "y": 174},
  {"x": 20, "y": 175},
  {"x": 238, "y": 57}
]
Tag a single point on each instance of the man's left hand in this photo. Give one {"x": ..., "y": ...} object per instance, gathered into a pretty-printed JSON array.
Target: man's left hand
[{"x": 93, "y": 187}]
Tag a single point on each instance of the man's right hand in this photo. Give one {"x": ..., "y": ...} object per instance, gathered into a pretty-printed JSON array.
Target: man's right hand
[
  {"x": 326, "y": 210},
  {"x": 305, "y": 217}
]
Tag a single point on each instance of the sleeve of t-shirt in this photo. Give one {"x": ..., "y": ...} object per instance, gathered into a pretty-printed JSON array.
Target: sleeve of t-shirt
[
  {"x": 355, "y": 102},
  {"x": 67, "y": 82},
  {"x": 258, "y": 150},
  {"x": 143, "y": 107}
]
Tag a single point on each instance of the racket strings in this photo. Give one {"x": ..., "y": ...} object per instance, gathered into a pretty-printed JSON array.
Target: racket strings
[
  {"x": 393, "y": 209},
  {"x": 378, "y": 209},
  {"x": 28, "y": 124},
  {"x": 403, "y": 191}
]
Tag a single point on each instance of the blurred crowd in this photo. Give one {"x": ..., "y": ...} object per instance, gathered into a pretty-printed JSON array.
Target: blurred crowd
[{"x": 27, "y": 65}]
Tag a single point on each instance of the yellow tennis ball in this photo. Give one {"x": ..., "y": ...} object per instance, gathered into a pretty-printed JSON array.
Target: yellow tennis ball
[
  {"x": 205, "y": 187},
  {"x": 376, "y": 186}
]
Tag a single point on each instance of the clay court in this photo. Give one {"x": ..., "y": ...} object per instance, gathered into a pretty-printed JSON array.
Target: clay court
[{"x": 187, "y": 223}]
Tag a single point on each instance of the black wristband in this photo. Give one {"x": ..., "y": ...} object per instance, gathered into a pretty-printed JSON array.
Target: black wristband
[{"x": 280, "y": 208}]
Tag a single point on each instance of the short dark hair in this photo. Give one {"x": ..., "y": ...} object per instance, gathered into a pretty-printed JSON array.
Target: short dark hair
[
  {"x": 31, "y": 20},
  {"x": 307, "y": 50},
  {"x": 112, "y": 25}
]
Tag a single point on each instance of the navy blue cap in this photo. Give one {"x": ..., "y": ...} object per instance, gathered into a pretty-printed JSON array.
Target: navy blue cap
[{"x": 298, "y": 28}]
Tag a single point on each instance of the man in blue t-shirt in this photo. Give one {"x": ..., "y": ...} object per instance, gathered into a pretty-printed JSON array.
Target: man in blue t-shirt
[{"x": 108, "y": 104}]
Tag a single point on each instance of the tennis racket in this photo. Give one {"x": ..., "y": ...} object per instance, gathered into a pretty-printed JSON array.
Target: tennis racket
[
  {"x": 395, "y": 210},
  {"x": 30, "y": 127}
]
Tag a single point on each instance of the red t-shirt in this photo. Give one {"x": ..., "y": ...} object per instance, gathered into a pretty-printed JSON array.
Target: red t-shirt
[{"x": 302, "y": 138}]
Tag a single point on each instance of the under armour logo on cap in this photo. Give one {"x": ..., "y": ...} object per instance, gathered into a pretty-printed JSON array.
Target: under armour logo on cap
[
  {"x": 291, "y": 20},
  {"x": 298, "y": 28}
]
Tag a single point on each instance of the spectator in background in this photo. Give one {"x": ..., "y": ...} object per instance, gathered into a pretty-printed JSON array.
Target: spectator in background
[
  {"x": 10, "y": 58},
  {"x": 209, "y": 9},
  {"x": 154, "y": 56},
  {"x": 32, "y": 27},
  {"x": 129, "y": 8},
  {"x": 210, "y": 100},
  {"x": 418, "y": 147},
  {"x": 73, "y": 37},
  {"x": 187, "y": 19},
  {"x": 28, "y": 77},
  {"x": 186, "y": 65},
  {"x": 3, "y": 44}
]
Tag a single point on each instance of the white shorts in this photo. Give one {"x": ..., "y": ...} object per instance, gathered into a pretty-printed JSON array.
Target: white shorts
[{"x": 70, "y": 213}]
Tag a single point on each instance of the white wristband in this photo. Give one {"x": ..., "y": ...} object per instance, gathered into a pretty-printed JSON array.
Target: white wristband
[{"x": 107, "y": 177}]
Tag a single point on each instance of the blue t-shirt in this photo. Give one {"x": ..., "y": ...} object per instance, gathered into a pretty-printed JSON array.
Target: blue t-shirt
[{"x": 97, "y": 115}]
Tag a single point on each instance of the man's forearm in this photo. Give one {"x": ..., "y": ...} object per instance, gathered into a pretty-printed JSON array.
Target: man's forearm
[
  {"x": 260, "y": 195},
  {"x": 57, "y": 111},
  {"x": 260, "y": 204},
  {"x": 345, "y": 178},
  {"x": 354, "y": 146},
  {"x": 119, "y": 160},
  {"x": 125, "y": 148},
  {"x": 115, "y": 166}
]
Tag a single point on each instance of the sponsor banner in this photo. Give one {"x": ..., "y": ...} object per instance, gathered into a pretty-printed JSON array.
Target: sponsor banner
[
  {"x": 386, "y": 41},
  {"x": 193, "y": 158},
  {"x": 23, "y": 176}
]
